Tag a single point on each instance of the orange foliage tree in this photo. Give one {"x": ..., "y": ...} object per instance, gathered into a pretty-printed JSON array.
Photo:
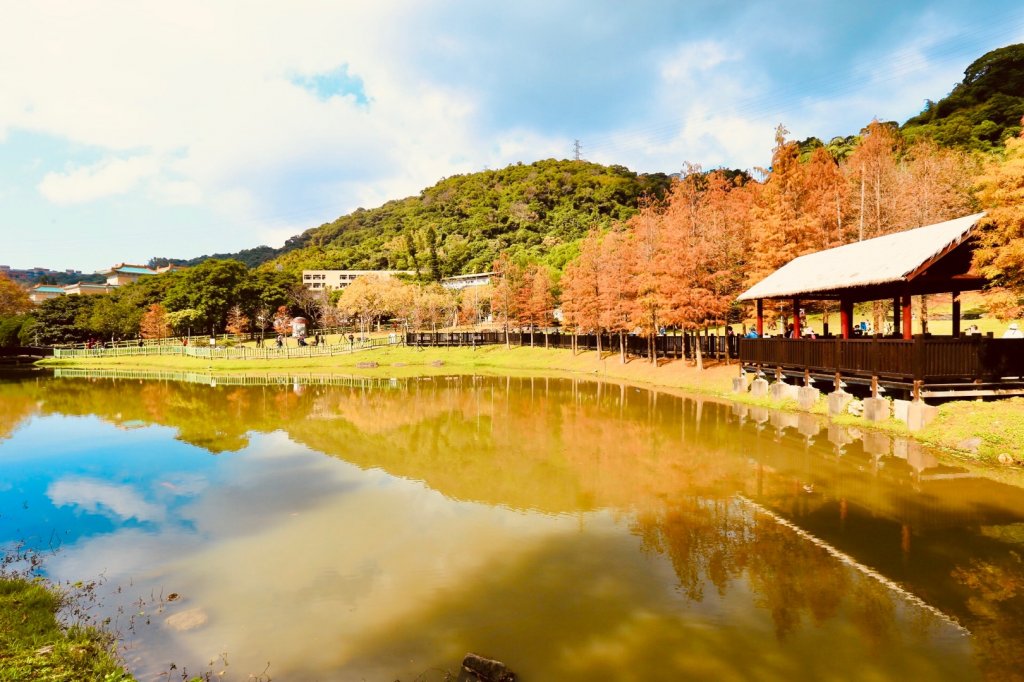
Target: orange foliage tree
[
  {"x": 154, "y": 323},
  {"x": 237, "y": 322},
  {"x": 13, "y": 299}
]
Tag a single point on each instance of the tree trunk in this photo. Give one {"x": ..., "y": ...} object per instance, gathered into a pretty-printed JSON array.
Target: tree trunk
[
  {"x": 622, "y": 347},
  {"x": 599, "y": 343}
]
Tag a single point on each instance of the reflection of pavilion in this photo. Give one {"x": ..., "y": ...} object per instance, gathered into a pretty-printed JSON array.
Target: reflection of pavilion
[{"x": 890, "y": 505}]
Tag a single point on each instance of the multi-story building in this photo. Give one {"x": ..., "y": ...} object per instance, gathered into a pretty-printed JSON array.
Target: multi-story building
[
  {"x": 459, "y": 282},
  {"x": 326, "y": 280}
]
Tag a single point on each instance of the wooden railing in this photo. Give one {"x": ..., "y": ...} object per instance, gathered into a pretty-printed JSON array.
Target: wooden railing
[
  {"x": 665, "y": 346},
  {"x": 927, "y": 359}
]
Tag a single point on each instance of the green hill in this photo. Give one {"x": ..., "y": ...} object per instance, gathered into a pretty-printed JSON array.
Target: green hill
[
  {"x": 983, "y": 110},
  {"x": 461, "y": 224}
]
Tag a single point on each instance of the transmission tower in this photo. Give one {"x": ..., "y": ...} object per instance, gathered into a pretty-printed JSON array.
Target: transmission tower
[{"x": 577, "y": 150}]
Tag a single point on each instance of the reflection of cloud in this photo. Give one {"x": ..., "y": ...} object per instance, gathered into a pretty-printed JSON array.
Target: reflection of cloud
[
  {"x": 183, "y": 485},
  {"x": 130, "y": 554},
  {"x": 94, "y": 496}
]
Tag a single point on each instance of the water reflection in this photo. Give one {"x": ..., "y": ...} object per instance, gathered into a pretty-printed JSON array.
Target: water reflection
[{"x": 576, "y": 530}]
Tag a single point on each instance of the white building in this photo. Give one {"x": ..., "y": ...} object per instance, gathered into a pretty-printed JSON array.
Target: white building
[
  {"x": 326, "y": 280},
  {"x": 459, "y": 282}
]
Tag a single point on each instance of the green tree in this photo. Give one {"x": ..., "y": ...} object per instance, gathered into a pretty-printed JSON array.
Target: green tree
[
  {"x": 211, "y": 289},
  {"x": 64, "y": 319}
]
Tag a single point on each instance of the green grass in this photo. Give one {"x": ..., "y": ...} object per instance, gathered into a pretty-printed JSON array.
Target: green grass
[
  {"x": 984, "y": 429},
  {"x": 34, "y": 645}
]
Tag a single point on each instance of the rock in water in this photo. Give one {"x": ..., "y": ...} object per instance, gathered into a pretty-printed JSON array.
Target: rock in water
[
  {"x": 476, "y": 668},
  {"x": 187, "y": 620}
]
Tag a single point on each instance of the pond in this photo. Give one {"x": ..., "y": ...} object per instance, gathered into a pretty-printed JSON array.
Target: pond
[{"x": 339, "y": 528}]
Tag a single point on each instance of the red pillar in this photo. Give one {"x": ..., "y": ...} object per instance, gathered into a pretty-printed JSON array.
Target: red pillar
[
  {"x": 796, "y": 318},
  {"x": 908, "y": 330},
  {"x": 956, "y": 314},
  {"x": 896, "y": 315},
  {"x": 846, "y": 318},
  {"x": 760, "y": 319}
]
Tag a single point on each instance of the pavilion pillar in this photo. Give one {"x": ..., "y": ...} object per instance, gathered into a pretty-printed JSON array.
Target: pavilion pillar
[
  {"x": 956, "y": 314},
  {"x": 908, "y": 330},
  {"x": 760, "y": 318},
  {"x": 896, "y": 315},
  {"x": 846, "y": 317},
  {"x": 796, "y": 318}
]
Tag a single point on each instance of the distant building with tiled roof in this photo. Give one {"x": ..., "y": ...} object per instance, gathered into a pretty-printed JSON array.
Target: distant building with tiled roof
[
  {"x": 124, "y": 273},
  {"x": 43, "y": 292},
  {"x": 88, "y": 288}
]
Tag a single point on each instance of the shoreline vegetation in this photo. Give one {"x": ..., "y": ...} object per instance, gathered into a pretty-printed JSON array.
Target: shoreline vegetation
[
  {"x": 986, "y": 436},
  {"x": 34, "y": 645}
]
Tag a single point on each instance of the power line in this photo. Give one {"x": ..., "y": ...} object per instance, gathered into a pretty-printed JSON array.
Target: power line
[{"x": 789, "y": 97}]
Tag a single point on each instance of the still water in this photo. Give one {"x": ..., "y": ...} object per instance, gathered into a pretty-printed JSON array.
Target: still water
[{"x": 575, "y": 530}]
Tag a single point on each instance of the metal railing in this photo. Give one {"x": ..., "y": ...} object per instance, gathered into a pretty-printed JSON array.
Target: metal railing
[{"x": 230, "y": 352}]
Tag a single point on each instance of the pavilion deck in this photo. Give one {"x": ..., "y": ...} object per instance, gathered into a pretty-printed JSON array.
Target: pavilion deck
[{"x": 931, "y": 366}]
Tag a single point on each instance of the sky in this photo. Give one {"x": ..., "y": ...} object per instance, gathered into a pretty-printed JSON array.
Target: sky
[{"x": 135, "y": 129}]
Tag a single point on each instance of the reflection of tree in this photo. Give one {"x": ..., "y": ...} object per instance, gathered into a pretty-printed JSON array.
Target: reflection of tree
[
  {"x": 533, "y": 444},
  {"x": 15, "y": 407},
  {"x": 217, "y": 419},
  {"x": 996, "y": 601},
  {"x": 713, "y": 543}
]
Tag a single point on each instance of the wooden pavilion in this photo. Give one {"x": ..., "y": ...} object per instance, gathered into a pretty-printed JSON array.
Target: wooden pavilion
[{"x": 927, "y": 260}]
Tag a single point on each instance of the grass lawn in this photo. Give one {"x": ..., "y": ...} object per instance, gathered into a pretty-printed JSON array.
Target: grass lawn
[{"x": 34, "y": 646}]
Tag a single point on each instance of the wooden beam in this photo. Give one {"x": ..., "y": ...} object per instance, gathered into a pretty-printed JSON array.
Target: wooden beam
[
  {"x": 846, "y": 318},
  {"x": 796, "y": 318},
  {"x": 908, "y": 330},
  {"x": 956, "y": 314},
  {"x": 760, "y": 318}
]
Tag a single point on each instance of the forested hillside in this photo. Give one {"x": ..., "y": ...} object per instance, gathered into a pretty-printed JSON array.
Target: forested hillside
[
  {"x": 538, "y": 211},
  {"x": 983, "y": 111}
]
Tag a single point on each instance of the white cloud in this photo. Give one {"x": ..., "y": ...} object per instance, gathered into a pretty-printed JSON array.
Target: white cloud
[
  {"x": 691, "y": 59},
  {"x": 106, "y": 178}
]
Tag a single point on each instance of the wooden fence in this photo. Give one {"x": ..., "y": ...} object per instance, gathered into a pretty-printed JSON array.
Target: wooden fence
[{"x": 675, "y": 346}]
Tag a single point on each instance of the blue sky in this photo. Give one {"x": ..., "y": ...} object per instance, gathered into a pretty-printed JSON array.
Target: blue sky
[{"x": 136, "y": 129}]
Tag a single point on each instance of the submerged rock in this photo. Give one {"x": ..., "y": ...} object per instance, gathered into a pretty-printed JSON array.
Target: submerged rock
[
  {"x": 476, "y": 668},
  {"x": 187, "y": 620}
]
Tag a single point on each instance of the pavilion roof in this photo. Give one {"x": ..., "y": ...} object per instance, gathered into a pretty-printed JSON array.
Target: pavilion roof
[{"x": 890, "y": 259}]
